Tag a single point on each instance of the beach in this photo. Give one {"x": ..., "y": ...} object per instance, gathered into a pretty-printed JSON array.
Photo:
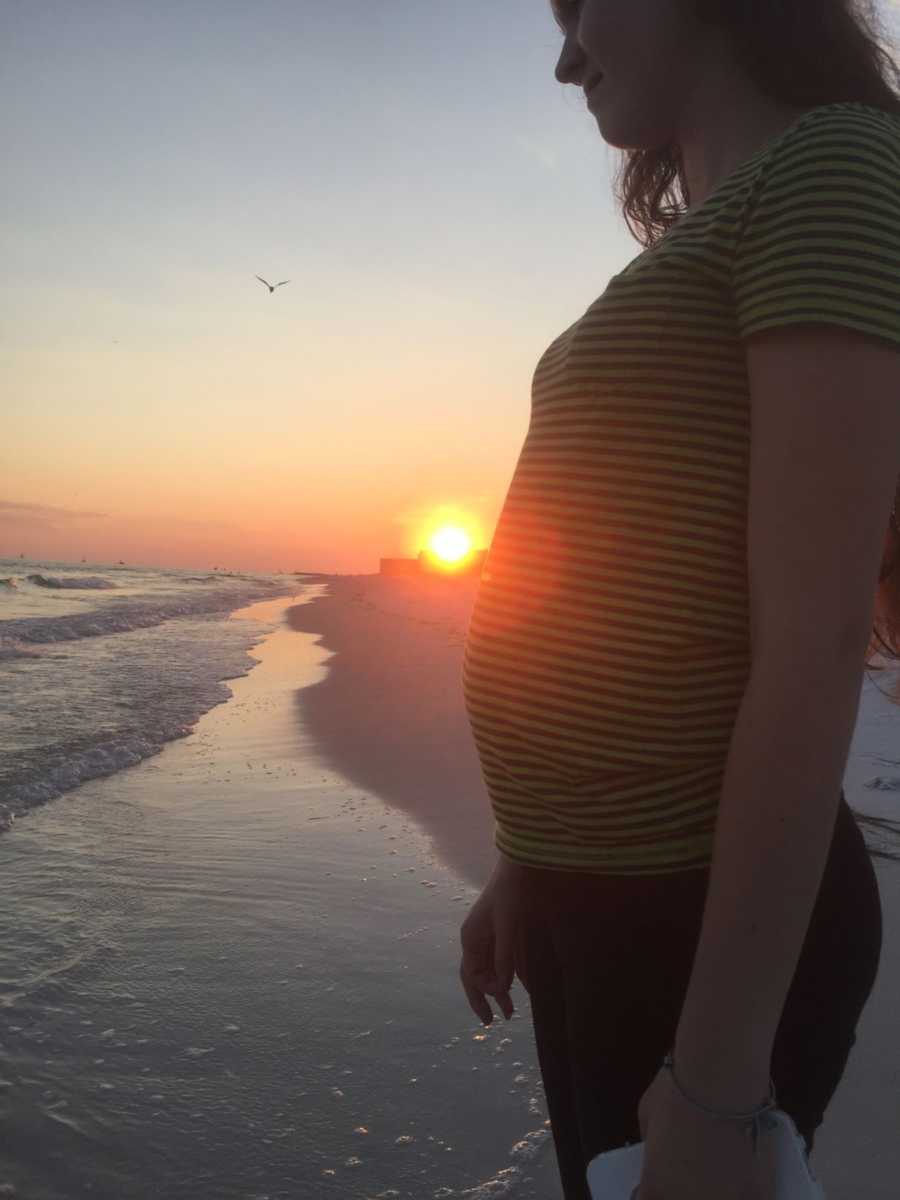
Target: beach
[
  {"x": 231, "y": 969},
  {"x": 390, "y": 716}
]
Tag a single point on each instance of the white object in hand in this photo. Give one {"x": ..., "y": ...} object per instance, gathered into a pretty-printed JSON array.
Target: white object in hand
[{"x": 616, "y": 1174}]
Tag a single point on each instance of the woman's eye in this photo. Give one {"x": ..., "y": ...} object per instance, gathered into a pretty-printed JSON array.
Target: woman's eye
[{"x": 565, "y": 11}]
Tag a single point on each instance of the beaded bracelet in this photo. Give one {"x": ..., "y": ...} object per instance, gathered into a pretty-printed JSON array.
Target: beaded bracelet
[{"x": 759, "y": 1118}]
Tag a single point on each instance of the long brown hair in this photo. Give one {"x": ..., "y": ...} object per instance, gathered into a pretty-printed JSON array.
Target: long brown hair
[{"x": 804, "y": 53}]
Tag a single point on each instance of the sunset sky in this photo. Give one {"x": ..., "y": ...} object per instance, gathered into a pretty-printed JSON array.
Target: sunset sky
[{"x": 440, "y": 204}]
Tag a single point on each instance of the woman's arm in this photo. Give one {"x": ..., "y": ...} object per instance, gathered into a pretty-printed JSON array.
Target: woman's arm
[{"x": 781, "y": 794}]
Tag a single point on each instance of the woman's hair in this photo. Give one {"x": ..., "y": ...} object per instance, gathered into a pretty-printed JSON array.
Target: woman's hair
[{"x": 805, "y": 53}]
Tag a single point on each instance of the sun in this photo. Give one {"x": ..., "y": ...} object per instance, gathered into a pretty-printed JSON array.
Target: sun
[{"x": 450, "y": 544}]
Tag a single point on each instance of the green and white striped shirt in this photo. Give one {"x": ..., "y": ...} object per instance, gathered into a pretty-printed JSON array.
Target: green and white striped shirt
[{"x": 609, "y": 648}]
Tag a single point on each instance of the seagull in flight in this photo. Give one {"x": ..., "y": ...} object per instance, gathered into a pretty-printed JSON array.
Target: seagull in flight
[{"x": 270, "y": 286}]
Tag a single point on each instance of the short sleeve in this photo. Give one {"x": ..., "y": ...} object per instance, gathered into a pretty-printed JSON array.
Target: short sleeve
[{"x": 820, "y": 241}]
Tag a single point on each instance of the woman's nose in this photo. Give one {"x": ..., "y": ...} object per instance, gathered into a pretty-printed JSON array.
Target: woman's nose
[{"x": 570, "y": 62}]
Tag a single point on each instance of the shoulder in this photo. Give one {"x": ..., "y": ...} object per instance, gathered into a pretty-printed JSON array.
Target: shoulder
[
  {"x": 837, "y": 130},
  {"x": 829, "y": 184}
]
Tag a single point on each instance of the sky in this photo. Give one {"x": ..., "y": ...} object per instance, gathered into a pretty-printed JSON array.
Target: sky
[{"x": 440, "y": 204}]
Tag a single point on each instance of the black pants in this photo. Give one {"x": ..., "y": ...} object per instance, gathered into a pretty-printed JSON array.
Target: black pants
[{"x": 606, "y": 961}]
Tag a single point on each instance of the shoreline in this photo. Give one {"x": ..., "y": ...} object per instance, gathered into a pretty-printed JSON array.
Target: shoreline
[
  {"x": 268, "y": 942},
  {"x": 390, "y": 716},
  {"x": 346, "y": 755}
]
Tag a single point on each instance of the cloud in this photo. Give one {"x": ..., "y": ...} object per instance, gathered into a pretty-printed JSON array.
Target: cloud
[
  {"x": 544, "y": 154},
  {"x": 208, "y": 526},
  {"x": 39, "y": 516},
  {"x": 426, "y": 513},
  {"x": 47, "y": 517}
]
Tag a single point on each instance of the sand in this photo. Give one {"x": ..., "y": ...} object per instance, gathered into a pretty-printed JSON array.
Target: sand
[{"x": 389, "y": 715}]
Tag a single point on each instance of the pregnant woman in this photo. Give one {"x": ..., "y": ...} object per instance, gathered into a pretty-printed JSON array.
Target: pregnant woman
[{"x": 697, "y": 555}]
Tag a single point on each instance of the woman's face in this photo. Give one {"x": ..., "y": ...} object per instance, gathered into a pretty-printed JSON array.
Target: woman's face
[{"x": 651, "y": 55}]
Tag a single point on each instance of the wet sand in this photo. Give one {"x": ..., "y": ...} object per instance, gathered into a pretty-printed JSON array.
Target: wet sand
[{"x": 390, "y": 716}]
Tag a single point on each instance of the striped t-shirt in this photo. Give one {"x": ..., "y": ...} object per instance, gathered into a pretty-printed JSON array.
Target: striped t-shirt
[{"x": 608, "y": 650}]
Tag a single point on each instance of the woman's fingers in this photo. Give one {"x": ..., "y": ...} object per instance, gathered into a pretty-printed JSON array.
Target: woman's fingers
[
  {"x": 488, "y": 937},
  {"x": 504, "y": 965},
  {"x": 506, "y": 1005},
  {"x": 478, "y": 986},
  {"x": 475, "y": 996},
  {"x": 519, "y": 966}
]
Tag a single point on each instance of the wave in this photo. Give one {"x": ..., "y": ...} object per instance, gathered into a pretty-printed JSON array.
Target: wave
[
  {"x": 58, "y": 768},
  {"x": 10, "y": 649},
  {"x": 121, "y": 616},
  {"x": 133, "y": 694},
  {"x": 95, "y": 582}
]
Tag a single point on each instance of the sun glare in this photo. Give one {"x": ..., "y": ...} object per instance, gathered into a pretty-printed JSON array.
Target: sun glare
[{"x": 450, "y": 544}]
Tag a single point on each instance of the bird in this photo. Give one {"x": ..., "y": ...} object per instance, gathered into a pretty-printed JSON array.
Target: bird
[{"x": 270, "y": 286}]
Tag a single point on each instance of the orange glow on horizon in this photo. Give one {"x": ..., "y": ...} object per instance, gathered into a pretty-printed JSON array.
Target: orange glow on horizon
[
  {"x": 448, "y": 535},
  {"x": 449, "y": 539},
  {"x": 450, "y": 544}
]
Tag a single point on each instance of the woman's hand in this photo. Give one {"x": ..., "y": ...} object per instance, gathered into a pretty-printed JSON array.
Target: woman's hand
[
  {"x": 691, "y": 1155},
  {"x": 488, "y": 938}
]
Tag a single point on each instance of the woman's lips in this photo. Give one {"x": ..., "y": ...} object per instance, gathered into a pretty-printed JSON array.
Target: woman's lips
[{"x": 593, "y": 87}]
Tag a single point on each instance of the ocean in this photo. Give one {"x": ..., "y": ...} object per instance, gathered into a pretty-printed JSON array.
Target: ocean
[
  {"x": 100, "y": 666},
  {"x": 227, "y": 971}
]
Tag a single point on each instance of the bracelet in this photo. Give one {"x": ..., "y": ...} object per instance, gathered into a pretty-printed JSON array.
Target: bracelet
[{"x": 759, "y": 1118}]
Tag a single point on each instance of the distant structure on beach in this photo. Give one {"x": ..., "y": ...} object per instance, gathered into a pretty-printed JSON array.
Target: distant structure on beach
[
  {"x": 399, "y": 566},
  {"x": 427, "y": 564}
]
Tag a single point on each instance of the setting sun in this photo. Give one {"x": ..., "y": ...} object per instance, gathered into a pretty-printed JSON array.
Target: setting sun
[{"x": 450, "y": 544}]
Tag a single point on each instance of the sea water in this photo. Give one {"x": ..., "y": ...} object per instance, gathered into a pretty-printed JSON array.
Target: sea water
[
  {"x": 238, "y": 980},
  {"x": 100, "y": 666},
  {"x": 223, "y": 977}
]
